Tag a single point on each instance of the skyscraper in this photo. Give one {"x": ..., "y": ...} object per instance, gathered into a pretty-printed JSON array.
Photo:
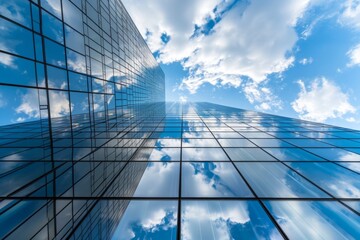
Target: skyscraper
[
  {"x": 77, "y": 86},
  {"x": 90, "y": 150}
]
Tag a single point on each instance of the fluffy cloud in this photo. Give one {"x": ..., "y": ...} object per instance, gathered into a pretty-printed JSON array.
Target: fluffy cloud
[
  {"x": 354, "y": 55},
  {"x": 6, "y": 59},
  {"x": 351, "y": 13},
  {"x": 306, "y": 61},
  {"x": 262, "y": 96},
  {"x": 154, "y": 216},
  {"x": 59, "y": 104},
  {"x": 29, "y": 104},
  {"x": 221, "y": 42},
  {"x": 210, "y": 221},
  {"x": 321, "y": 100}
]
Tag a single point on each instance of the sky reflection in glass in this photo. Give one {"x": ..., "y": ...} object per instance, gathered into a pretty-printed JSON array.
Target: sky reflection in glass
[
  {"x": 148, "y": 220},
  {"x": 159, "y": 180},
  {"x": 276, "y": 180},
  {"x": 213, "y": 220},
  {"x": 315, "y": 219},
  {"x": 212, "y": 179},
  {"x": 337, "y": 180}
]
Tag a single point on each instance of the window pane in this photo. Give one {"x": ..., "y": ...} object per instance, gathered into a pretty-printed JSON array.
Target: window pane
[
  {"x": 72, "y": 15},
  {"x": 203, "y": 154},
  {"x": 15, "y": 39},
  {"x": 336, "y": 180},
  {"x": 235, "y": 143},
  {"x": 315, "y": 220},
  {"x": 248, "y": 154},
  {"x": 57, "y": 78},
  {"x": 212, "y": 179},
  {"x": 159, "y": 180},
  {"x": 52, "y": 27},
  {"x": 187, "y": 142},
  {"x": 17, "y": 10},
  {"x": 55, "y": 53},
  {"x": 76, "y": 62},
  {"x": 276, "y": 180},
  {"x": 74, "y": 40},
  {"x": 138, "y": 221},
  {"x": 213, "y": 220},
  {"x": 9, "y": 70},
  {"x": 292, "y": 154}
]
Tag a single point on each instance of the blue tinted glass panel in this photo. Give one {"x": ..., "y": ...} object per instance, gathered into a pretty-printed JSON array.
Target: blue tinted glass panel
[
  {"x": 213, "y": 220},
  {"x": 235, "y": 143},
  {"x": 52, "y": 27},
  {"x": 148, "y": 220},
  {"x": 270, "y": 143},
  {"x": 15, "y": 39},
  {"x": 18, "y": 11},
  {"x": 335, "y": 154},
  {"x": 276, "y": 180},
  {"x": 9, "y": 70},
  {"x": 212, "y": 179},
  {"x": 57, "y": 78},
  {"x": 335, "y": 179},
  {"x": 55, "y": 53},
  {"x": 53, "y": 6},
  {"x": 203, "y": 154},
  {"x": 248, "y": 154},
  {"x": 187, "y": 142},
  {"x": 159, "y": 180},
  {"x": 315, "y": 220},
  {"x": 292, "y": 154}
]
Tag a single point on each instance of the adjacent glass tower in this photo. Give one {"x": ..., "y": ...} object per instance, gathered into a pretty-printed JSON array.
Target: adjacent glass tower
[{"x": 90, "y": 150}]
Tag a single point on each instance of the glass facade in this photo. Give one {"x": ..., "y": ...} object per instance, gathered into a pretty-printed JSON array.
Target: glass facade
[{"x": 90, "y": 150}]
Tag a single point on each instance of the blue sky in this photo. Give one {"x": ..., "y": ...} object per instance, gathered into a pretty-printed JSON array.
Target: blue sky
[{"x": 293, "y": 58}]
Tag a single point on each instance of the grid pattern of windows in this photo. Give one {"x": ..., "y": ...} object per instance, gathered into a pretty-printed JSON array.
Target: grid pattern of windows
[
  {"x": 215, "y": 172},
  {"x": 88, "y": 149},
  {"x": 191, "y": 171}
]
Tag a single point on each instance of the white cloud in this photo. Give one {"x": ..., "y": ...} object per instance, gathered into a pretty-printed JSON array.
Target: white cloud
[
  {"x": 306, "y": 61},
  {"x": 20, "y": 119},
  {"x": 250, "y": 40},
  {"x": 13, "y": 10},
  {"x": 322, "y": 100},
  {"x": 150, "y": 216},
  {"x": 291, "y": 217},
  {"x": 354, "y": 55},
  {"x": 29, "y": 104},
  {"x": 262, "y": 96},
  {"x": 6, "y": 59},
  {"x": 172, "y": 17},
  {"x": 350, "y": 119},
  {"x": 183, "y": 99},
  {"x": 59, "y": 104},
  {"x": 351, "y": 14},
  {"x": 54, "y": 5},
  {"x": 164, "y": 173},
  {"x": 76, "y": 62},
  {"x": 208, "y": 220}
]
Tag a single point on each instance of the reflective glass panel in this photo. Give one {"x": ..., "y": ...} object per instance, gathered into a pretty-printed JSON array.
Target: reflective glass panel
[
  {"x": 335, "y": 179},
  {"x": 148, "y": 220},
  {"x": 315, "y": 219},
  {"x": 248, "y": 154},
  {"x": 276, "y": 180},
  {"x": 206, "y": 220},
  {"x": 203, "y": 154},
  {"x": 212, "y": 179}
]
